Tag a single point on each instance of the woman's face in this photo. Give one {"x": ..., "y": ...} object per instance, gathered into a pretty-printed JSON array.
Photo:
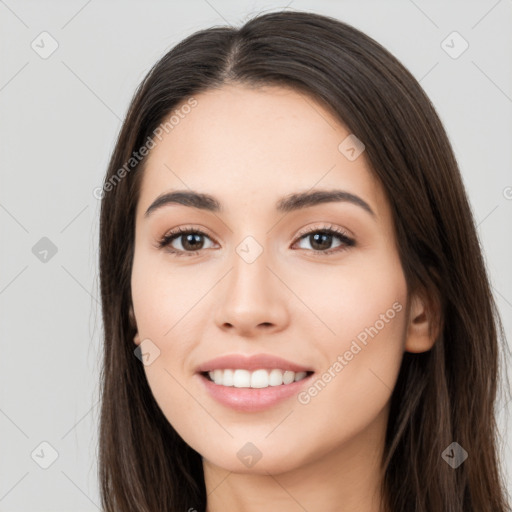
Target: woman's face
[{"x": 317, "y": 283}]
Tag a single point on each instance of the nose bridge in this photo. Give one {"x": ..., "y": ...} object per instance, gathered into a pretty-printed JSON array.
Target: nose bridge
[
  {"x": 249, "y": 280},
  {"x": 252, "y": 295},
  {"x": 249, "y": 262}
]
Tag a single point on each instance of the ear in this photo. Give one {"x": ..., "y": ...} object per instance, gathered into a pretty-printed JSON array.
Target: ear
[
  {"x": 422, "y": 327},
  {"x": 133, "y": 323}
]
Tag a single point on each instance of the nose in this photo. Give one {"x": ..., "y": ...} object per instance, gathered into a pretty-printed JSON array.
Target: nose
[{"x": 252, "y": 299}]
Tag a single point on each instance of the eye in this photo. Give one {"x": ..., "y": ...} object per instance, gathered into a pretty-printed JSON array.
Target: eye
[
  {"x": 190, "y": 240},
  {"x": 320, "y": 240}
]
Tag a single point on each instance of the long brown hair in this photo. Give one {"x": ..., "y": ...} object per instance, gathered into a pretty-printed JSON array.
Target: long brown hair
[{"x": 442, "y": 396}]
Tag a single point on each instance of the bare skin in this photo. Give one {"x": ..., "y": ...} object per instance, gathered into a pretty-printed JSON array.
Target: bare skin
[{"x": 306, "y": 302}]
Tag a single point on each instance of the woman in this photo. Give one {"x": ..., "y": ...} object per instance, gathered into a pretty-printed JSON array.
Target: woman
[{"x": 297, "y": 314}]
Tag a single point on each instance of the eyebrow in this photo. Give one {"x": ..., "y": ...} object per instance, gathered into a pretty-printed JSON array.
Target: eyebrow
[{"x": 286, "y": 204}]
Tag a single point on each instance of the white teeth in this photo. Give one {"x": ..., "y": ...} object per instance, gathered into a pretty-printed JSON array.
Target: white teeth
[
  {"x": 276, "y": 377},
  {"x": 241, "y": 379},
  {"x": 255, "y": 379},
  {"x": 288, "y": 377},
  {"x": 259, "y": 379},
  {"x": 217, "y": 376},
  {"x": 300, "y": 376},
  {"x": 227, "y": 377}
]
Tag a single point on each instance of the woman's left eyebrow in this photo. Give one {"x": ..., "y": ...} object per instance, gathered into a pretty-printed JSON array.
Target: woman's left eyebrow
[{"x": 286, "y": 204}]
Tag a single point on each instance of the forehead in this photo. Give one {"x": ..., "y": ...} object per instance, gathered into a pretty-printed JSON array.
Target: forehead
[{"x": 238, "y": 143}]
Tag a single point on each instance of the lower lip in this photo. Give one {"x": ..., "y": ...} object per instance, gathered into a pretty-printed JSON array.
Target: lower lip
[{"x": 252, "y": 399}]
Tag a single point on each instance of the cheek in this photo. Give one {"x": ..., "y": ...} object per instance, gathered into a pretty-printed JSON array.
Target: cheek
[
  {"x": 367, "y": 292},
  {"x": 362, "y": 364},
  {"x": 161, "y": 302},
  {"x": 165, "y": 303},
  {"x": 161, "y": 295},
  {"x": 364, "y": 310}
]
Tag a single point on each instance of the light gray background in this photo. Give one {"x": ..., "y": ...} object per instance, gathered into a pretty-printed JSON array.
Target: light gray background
[{"x": 59, "y": 119}]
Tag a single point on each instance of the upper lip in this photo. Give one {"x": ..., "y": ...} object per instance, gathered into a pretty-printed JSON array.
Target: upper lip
[{"x": 250, "y": 363}]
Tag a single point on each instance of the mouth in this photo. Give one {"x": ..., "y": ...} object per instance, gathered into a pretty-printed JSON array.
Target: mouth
[
  {"x": 257, "y": 379},
  {"x": 253, "y": 391},
  {"x": 252, "y": 383}
]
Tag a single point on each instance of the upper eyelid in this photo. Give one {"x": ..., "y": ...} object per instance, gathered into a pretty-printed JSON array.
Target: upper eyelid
[{"x": 335, "y": 229}]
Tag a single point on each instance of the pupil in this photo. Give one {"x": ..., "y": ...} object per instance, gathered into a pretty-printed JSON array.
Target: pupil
[
  {"x": 193, "y": 240},
  {"x": 322, "y": 236}
]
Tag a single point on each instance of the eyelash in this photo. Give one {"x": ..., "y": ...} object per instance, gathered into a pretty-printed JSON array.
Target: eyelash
[{"x": 347, "y": 242}]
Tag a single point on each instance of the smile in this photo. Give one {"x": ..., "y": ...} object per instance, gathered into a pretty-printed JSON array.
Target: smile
[{"x": 261, "y": 378}]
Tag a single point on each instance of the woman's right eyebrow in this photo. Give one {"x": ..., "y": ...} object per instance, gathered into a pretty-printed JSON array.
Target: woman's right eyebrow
[{"x": 291, "y": 202}]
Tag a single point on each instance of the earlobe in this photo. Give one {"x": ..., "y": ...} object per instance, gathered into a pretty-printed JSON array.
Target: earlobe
[
  {"x": 133, "y": 323},
  {"x": 421, "y": 331}
]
